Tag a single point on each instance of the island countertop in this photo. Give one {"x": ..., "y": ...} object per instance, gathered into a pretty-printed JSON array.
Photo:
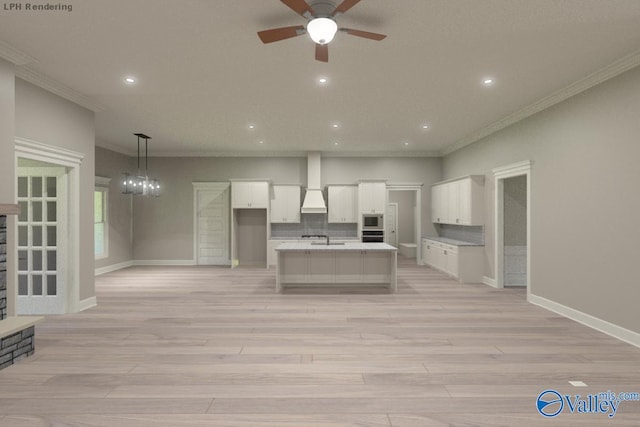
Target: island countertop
[{"x": 351, "y": 246}]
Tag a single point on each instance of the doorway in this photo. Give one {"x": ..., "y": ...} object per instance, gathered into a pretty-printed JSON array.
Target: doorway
[
  {"x": 515, "y": 231},
  {"x": 211, "y": 223},
  {"x": 513, "y": 225},
  {"x": 407, "y": 199},
  {"x": 42, "y": 243},
  {"x": 35, "y": 159}
]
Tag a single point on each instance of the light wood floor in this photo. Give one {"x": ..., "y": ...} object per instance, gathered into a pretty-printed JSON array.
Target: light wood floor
[{"x": 201, "y": 346}]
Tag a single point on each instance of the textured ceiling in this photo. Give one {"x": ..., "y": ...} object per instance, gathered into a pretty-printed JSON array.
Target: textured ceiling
[{"x": 204, "y": 76}]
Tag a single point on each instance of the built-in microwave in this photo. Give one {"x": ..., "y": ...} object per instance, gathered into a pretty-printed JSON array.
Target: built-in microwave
[{"x": 372, "y": 222}]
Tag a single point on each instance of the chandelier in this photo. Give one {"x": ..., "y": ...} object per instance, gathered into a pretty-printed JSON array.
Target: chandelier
[{"x": 141, "y": 185}]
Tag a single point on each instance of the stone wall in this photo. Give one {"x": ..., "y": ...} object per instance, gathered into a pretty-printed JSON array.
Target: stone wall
[
  {"x": 3, "y": 267},
  {"x": 16, "y": 346}
]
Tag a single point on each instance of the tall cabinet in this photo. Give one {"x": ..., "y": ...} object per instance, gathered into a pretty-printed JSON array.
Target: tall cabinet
[
  {"x": 250, "y": 229},
  {"x": 373, "y": 197},
  {"x": 250, "y": 194}
]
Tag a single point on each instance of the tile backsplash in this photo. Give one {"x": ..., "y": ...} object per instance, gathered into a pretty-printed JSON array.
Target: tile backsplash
[
  {"x": 465, "y": 233},
  {"x": 313, "y": 224}
]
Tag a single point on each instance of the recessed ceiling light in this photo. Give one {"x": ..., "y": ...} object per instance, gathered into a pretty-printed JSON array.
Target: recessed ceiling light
[
  {"x": 406, "y": 143},
  {"x": 322, "y": 80},
  {"x": 260, "y": 142},
  {"x": 251, "y": 126},
  {"x": 335, "y": 125},
  {"x": 425, "y": 126},
  {"x": 488, "y": 81},
  {"x": 336, "y": 143},
  {"x": 130, "y": 80}
]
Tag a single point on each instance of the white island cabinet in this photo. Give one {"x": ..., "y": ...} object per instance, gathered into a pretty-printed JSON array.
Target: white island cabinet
[{"x": 350, "y": 263}]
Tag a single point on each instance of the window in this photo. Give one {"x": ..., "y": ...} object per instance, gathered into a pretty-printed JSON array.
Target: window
[{"x": 101, "y": 224}]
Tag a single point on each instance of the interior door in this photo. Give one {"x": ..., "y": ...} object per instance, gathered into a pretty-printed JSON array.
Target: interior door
[
  {"x": 212, "y": 232},
  {"x": 42, "y": 235},
  {"x": 391, "y": 225}
]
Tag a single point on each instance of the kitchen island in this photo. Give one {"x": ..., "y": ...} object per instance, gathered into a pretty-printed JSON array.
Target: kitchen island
[{"x": 337, "y": 264}]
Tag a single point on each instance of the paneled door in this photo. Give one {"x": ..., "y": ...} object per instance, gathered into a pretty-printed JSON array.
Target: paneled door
[
  {"x": 391, "y": 225},
  {"x": 41, "y": 240},
  {"x": 212, "y": 223}
]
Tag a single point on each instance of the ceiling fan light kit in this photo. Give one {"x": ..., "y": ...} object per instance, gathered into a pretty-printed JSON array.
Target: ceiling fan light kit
[
  {"x": 322, "y": 30},
  {"x": 321, "y": 25}
]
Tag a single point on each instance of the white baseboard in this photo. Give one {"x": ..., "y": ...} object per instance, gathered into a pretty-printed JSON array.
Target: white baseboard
[
  {"x": 114, "y": 267},
  {"x": 164, "y": 262},
  {"x": 603, "y": 326},
  {"x": 489, "y": 281},
  {"x": 86, "y": 304}
]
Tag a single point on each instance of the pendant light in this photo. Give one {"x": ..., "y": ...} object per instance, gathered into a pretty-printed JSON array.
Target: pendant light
[{"x": 141, "y": 185}]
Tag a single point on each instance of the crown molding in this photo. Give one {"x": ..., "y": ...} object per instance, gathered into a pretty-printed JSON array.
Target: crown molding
[
  {"x": 27, "y": 73},
  {"x": 13, "y": 55},
  {"x": 47, "y": 83},
  {"x": 618, "y": 67},
  {"x": 115, "y": 148},
  {"x": 304, "y": 154}
]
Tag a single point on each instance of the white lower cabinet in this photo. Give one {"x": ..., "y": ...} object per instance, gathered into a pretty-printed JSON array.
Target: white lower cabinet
[
  {"x": 375, "y": 267},
  {"x": 294, "y": 268},
  {"x": 349, "y": 267},
  {"x": 337, "y": 267},
  {"x": 465, "y": 263},
  {"x": 308, "y": 267},
  {"x": 362, "y": 267},
  {"x": 321, "y": 267},
  {"x": 272, "y": 256}
]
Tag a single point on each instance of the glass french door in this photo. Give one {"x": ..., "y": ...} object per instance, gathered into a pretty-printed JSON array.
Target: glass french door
[{"x": 41, "y": 287}]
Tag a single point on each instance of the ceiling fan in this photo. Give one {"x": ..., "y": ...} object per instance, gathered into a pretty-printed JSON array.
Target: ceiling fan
[{"x": 321, "y": 25}]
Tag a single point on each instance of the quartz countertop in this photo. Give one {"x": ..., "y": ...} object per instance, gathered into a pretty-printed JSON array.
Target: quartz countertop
[
  {"x": 355, "y": 246},
  {"x": 355, "y": 239},
  {"x": 450, "y": 241}
]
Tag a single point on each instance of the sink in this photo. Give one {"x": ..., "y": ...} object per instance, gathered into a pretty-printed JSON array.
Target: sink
[{"x": 325, "y": 244}]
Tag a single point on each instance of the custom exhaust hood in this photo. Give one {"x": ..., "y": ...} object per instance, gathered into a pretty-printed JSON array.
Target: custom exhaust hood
[{"x": 313, "y": 199}]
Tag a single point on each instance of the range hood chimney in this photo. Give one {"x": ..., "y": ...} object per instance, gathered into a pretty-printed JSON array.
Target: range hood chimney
[{"x": 313, "y": 199}]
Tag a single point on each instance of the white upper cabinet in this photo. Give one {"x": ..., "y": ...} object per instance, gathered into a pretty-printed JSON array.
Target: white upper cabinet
[
  {"x": 250, "y": 194},
  {"x": 439, "y": 203},
  {"x": 373, "y": 197},
  {"x": 458, "y": 201},
  {"x": 343, "y": 203},
  {"x": 285, "y": 204}
]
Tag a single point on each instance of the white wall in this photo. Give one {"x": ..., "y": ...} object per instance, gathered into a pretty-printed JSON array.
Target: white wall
[
  {"x": 44, "y": 117},
  {"x": 7, "y": 119},
  {"x": 111, "y": 165},
  {"x": 584, "y": 197},
  {"x": 163, "y": 227}
]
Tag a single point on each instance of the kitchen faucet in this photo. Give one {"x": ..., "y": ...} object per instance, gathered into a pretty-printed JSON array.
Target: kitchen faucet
[{"x": 325, "y": 236}]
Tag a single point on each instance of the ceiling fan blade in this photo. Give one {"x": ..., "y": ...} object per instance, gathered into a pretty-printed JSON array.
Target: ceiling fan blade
[
  {"x": 322, "y": 52},
  {"x": 364, "y": 34},
  {"x": 277, "y": 34},
  {"x": 344, "y": 6},
  {"x": 300, "y": 7}
]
